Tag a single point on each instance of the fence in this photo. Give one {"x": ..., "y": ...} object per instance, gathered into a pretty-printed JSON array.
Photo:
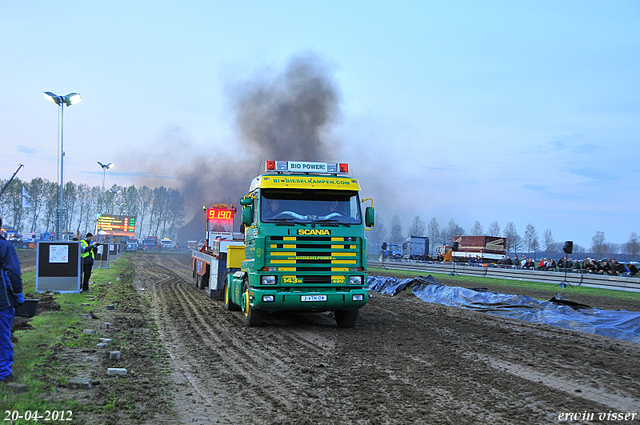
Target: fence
[{"x": 558, "y": 277}]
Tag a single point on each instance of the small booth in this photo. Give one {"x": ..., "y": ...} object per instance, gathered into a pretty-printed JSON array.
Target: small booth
[
  {"x": 101, "y": 260},
  {"x": 58, "y": 266}
]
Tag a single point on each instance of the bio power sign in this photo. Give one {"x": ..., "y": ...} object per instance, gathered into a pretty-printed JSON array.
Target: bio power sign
[{"x": 307, "y": 167}]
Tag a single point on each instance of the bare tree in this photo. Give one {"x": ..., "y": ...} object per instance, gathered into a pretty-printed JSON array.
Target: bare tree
[
  {"x": 417, "y": 227},
  {"x": 513, "y": 239},
  {"x": 53, "y": 189},
  {"x": 494, "y": 229},
  {"x": 477, "y": 229},
  {"x": 453, "y": 229},
  {"x": 549, "y": 243},
  {"x": 91, "y": 220},
  {"x": 530, "y": 239},
  {"x": 13, "y": 197},
  {"x": 433, "y": 231},
  {"x": 396, "y": 230},
  {"x": 85, "y": 205},
  {"x": 632, "y": 247},
  {"x": 144, "y": 201},
  {"x": 175, "y": 212},
  {"x": 599, "y": 245},
  {"x": 37, "y": 190},
  {"x": 69, "y": 202},
  {"x": 4, "y": 207},
  {"x": 129, "y": 201}
]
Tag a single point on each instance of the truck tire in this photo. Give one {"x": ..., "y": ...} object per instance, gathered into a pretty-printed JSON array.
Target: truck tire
[
  {"x": 204, "y": 281},
  {"x": 346, "y": 318},
  {"x": 252, "y": 317},
  {"x": 228, "y": 304}
]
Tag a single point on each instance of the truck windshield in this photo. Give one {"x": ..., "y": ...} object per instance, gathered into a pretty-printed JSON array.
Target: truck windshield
[{"x": 310, "y": 206}]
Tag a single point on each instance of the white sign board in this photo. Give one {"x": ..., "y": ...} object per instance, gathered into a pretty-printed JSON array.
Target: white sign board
[{"x": 58, "y": 253}]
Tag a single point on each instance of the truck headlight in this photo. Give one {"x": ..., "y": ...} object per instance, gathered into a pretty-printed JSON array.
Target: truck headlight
[
  {"x": 355, "y": 280},
  {"x": 268, "y": 298},
  {"x": 268, "y": 280},
  {"x": 358, "y": 297}
]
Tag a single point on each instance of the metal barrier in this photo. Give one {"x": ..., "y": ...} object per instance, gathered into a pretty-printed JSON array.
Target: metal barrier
[{"x": 631, "y": 284}]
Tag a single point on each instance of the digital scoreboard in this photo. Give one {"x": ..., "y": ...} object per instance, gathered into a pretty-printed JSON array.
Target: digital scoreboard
[
  {"x": 215, "y": 214},
  {"x": 117, "y": 225},
  {"x": 220, "y": 219}
]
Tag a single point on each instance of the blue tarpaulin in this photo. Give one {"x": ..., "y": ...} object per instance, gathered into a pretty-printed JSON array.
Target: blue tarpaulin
[
  {"x": 619, "y": 324},
  {"x": 388, "y": 285}
]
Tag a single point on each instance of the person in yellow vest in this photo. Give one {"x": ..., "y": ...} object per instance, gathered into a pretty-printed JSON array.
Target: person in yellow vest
[{"x": 88, "y": 254}]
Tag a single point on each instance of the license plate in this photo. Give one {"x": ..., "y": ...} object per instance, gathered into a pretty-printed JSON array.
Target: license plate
[{"x": 313, "y": 298}]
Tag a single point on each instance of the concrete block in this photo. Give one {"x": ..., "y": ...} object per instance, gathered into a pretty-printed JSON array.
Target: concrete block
[
  {"x": 85, "y": 305},
  {"x": 101, "y": 345},
  {"x": 87, "y": 317},
  {"x": 105, "y": 340},
  {"x": 80, "y": 383},
  {"x": 16, "y": 388},
  {"x": 111, "y": 307},
  {"x": 113, "y": 355},
  {"x": 117, "y": 371},
  {"x": 89, "y": 331},
  {"x": 106, "y": 326}
]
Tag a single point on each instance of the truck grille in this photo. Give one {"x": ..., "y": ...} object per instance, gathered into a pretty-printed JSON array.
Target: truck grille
[{"x": 314, "y": 259}]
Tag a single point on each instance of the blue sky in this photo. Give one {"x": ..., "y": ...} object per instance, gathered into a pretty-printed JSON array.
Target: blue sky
[{"x": 493, "y": 111}]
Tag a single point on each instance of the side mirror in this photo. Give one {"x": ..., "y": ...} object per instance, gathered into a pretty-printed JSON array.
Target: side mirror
[
  {"x": 369, "y": 217},
  {"x": 247, "y": 215},
  {"x": 246, "y": 201}
]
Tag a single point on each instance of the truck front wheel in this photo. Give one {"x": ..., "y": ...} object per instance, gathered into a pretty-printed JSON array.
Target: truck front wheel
[
  {"x": 346, "y": 319},
  {"x": 228, "y": 304},
  {"x": 252, "y": 317}
]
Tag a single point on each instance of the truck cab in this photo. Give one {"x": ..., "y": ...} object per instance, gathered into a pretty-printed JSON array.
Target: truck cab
[{"x": 305, "y": 249}]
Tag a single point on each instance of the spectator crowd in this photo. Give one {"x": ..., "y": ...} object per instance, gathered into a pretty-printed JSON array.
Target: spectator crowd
[{"x": 609, "y": 267}]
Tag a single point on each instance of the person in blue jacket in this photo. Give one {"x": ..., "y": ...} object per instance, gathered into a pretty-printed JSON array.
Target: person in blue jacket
[{"x": 10, "y": 297}]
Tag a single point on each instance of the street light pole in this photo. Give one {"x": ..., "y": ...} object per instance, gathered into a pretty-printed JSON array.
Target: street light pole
[
  {"x": 70, "y": 99},
  {"x": 105, "y": 167}
]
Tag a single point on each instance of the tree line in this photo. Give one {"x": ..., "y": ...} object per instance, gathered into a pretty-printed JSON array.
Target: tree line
[
  {"x": 30, "y": 207},
  {"x": 529, "y": 242}
]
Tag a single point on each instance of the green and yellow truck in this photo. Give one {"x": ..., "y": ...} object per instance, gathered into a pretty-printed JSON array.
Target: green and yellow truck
[{"x": 304, "y": 244}]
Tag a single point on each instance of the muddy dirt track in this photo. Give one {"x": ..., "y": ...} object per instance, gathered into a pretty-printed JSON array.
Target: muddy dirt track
[{"x": 406, "y": 361}]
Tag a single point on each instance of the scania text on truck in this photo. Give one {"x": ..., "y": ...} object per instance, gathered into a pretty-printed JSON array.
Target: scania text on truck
[{"x": 305, "y": 247}]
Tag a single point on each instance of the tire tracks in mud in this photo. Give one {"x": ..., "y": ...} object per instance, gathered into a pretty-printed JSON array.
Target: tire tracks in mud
[
  {"x": 210, "y": 345},
  {"x": 404, "y": 362}
]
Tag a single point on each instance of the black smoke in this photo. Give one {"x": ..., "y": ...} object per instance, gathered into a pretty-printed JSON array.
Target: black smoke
[{"x": 287, "y": 115}]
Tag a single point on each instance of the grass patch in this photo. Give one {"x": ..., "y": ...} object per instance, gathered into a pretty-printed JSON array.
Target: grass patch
[
  {"x": 479, "y": 281},
  {"x": 35, "y": 362}
]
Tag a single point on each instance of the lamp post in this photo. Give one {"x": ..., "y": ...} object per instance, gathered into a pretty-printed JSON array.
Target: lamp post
[
  {"x": 105, "y": 167},
  {"x": 70, "y": 99}
]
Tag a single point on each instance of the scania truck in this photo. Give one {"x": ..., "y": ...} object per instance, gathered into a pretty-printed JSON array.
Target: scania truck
[{"x": 305, "y": 249}]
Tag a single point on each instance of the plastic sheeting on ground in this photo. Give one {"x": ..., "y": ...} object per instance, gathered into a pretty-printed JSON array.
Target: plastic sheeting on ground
[
  {"x": 388, "y": 285},
  {"x": 619, "y": 324}
]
